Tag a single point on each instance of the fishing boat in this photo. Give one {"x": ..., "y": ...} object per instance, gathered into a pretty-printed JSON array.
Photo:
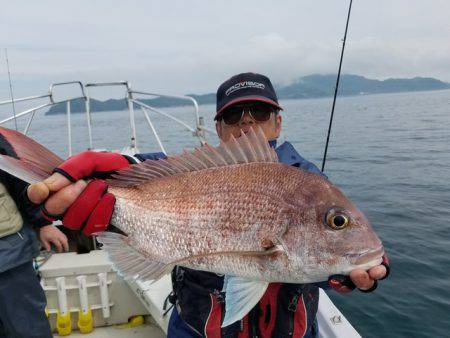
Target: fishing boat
[{"x": 84, "y": 293}]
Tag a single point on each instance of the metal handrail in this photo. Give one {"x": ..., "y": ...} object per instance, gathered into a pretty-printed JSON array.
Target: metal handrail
[
  {"x": 53, "y": 85},
  {"x": 142, "y": 104},
  {"x": 152, "y": 127},
  {"x": 104, "y": 84},
  {"x": 27, "y": 127},
  {"x": 181, "y": 97},
  {"x": 24, "y": 99},
  {"x": 198, "y": 131},
  {"x": 68, "y": 110},
  {"x": 129, "y": 103},
  {"x": 26, "y": 112},
  {"x": 209, "y": 130}
]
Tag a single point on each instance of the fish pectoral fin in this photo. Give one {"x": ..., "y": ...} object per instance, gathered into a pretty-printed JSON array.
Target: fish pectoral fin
[
  {"x": 128, "y": 261},
  {"x": 241, "y": 295}
]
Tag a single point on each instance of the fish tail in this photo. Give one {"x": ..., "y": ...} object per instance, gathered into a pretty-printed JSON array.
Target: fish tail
[{"x": 24, "y": 158}]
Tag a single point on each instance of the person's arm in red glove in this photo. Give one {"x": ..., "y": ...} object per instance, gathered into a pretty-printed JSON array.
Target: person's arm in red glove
[
  {"x": 91, "y": 164},
  {"x": 81, "y": 206}
]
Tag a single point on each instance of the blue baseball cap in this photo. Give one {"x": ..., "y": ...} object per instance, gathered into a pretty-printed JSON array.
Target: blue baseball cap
[{"x": 245, "y": 87}]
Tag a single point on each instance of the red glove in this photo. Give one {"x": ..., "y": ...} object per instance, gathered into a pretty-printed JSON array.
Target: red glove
[
  {"x": 92, "y": 164},
  {"x": 92, "y": 210},
  {"x": 341, "y": 283}
]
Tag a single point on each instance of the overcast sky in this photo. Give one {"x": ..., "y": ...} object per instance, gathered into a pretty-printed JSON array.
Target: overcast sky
[{"x": 192, "y": 46}]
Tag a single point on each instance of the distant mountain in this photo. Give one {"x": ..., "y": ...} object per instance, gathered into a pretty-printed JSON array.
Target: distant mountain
[
  {"x": 78, "y": 106},
  {"x": 323, "y": 85},
  {"x": 311, "y": 86}
]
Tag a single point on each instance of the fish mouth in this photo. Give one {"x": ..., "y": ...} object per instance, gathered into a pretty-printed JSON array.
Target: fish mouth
[{"x": 361, "y": 258}]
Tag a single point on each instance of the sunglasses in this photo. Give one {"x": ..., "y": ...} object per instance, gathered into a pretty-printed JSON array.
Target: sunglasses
[{"x": 258, "y": 112}]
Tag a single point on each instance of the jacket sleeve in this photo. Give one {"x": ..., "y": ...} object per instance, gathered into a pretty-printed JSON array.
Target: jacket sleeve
[
  {"x": 312, "y": 168},
  {"x": 287, "y": 154},
  {"x": 150, "y": 156},
  {"x": 18, "y": 191}
]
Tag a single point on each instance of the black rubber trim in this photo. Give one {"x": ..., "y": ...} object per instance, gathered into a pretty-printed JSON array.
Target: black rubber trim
[
  {"x": 49, "y": 215},
  {"x": 26, "y": 200},
  {"x": 373, "y": 288},
  {"x": 66, "y": 175},
  {"x": 388, "y": 270},
  {"x": 130, "y": 159}
]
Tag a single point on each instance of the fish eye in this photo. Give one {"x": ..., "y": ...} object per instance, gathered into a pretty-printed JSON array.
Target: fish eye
[{"x": 336, "y": 220}]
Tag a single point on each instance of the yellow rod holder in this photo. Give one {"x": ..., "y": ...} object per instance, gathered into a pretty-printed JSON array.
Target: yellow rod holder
[
  {"x": 63, "y": 321},
  {"x": 85, "y": 322}
]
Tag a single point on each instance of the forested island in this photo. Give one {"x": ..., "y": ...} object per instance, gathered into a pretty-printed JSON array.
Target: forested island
[{"x": 311, "y": 86}]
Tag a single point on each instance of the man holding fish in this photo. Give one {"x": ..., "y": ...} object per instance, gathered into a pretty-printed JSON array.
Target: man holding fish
[{"x": 279, "y": 231}]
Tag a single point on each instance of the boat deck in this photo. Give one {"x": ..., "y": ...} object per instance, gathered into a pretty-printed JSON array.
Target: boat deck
[{"x": 142, "y": 331}]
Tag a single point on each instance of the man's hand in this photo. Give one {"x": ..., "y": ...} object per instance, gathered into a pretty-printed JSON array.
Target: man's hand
[
  {"x": 80, "y": 206},
  {"x": 365, "y": 281},
  {"x": 63, "y": 191},
  {"x": 49, "y": 234},
  {"x": 68, "y": 197}
]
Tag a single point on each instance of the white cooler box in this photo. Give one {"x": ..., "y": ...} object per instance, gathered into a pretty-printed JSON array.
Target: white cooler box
[{"x": 86, "y": 282}]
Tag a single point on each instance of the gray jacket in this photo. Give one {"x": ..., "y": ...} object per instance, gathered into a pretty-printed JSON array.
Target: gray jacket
[{"x": 21, "y": 247}]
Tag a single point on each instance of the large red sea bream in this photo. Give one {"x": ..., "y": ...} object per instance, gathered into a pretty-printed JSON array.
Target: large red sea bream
[{"x": 232, "y": 209}]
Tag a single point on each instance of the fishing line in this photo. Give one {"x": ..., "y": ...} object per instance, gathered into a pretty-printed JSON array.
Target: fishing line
[
  {"x": 11, "y": 89},
  {"x": 336, "y": 87}
]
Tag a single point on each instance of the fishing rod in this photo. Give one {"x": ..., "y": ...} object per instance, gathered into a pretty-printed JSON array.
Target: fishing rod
[
  {"x": 336, "y": 86},
  {"x": 11, "y": 89}
]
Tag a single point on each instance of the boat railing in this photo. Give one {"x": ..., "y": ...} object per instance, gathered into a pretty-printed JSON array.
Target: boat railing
[{"x": 132, "y": 97}]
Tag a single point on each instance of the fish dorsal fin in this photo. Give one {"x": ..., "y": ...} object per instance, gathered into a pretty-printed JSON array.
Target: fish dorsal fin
[{"x": 248, "y": 148}]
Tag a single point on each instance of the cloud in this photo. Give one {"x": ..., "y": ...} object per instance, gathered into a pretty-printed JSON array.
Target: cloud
[
  {"x": 399, "y": 58},
  {"x": 192, "y": 48}
]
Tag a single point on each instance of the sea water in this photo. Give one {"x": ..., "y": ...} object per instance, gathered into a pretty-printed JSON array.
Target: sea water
[{"x": 389, "y": 153}]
